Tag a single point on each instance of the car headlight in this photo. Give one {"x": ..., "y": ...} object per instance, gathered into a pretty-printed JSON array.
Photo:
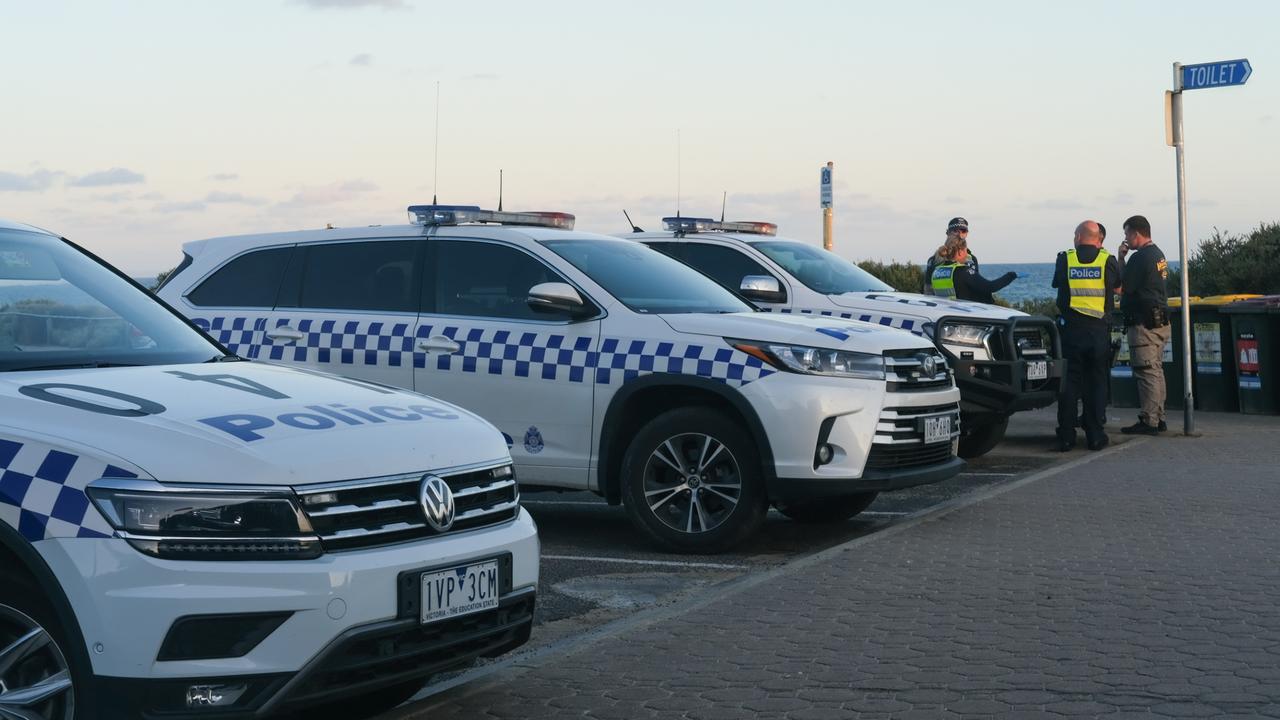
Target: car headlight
[
  {"x": 814, "y": 360},
  {"x": 965, "y": 334},
  {"x": 206, "y": 523}
]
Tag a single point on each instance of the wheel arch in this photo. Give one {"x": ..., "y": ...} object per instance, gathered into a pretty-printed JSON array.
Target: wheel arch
[
  {"x": 17, "y": 554},
  {"x": 644, "y": 398}
]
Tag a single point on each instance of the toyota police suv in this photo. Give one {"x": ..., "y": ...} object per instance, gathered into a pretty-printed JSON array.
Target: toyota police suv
[
  {"x": 608, "y": 366},
  {"x": 186, "y": 535},
  {"x": 1004, "y": 360}
]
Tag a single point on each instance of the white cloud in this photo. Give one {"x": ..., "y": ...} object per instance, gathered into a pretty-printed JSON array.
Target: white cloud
[
  {"x": 362, "y": 60},
  {"x": 223, "y": 177},
  {"x": 353, "y": 4},
  {"x": 230, "y": 198},
  {"x": 331, "y": 194},
  {"x": 114, "y": 176},
  {"x": 35, "y": 181},
  {"x": 180, "y": 207}
]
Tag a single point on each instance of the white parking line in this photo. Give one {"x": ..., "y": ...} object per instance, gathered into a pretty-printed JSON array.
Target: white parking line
[
  {"x": 659, "y": 563},
  {"x": 882, "y": 513},
  {"x": 982, "y": 474}
]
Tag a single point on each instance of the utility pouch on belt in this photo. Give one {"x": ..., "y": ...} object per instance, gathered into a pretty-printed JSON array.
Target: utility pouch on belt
[{"x": 1156, "y": 317}]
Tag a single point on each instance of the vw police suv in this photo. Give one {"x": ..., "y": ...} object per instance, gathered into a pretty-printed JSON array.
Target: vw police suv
[
  {"x": 1004, "y": 360},
  {"x": 608, "y": 366},
  {"x": 187, "y": 535}
]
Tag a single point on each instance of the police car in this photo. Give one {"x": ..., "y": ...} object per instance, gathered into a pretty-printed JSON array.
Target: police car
[
  {"x": 1004, "y": 360},
  {"x": 187, "y": 535},
  {"x": 608, "y": 366}
]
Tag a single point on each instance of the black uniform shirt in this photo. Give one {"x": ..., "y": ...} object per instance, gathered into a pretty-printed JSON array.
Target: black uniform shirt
[
  {"x": 1111, "y": 277},
  {"x": 971, "y": 286},
  {"x": 1145, "y": 273}
]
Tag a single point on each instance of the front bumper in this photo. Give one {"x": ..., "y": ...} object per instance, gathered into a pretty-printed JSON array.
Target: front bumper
[
  {"x": 126, "y": 602},
  {"x": 1000, "y": 386},
  {"x": 799, "y": 412}
]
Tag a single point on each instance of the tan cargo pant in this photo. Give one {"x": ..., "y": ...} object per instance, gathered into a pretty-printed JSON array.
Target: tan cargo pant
[{"x": 1146, "y": 350}]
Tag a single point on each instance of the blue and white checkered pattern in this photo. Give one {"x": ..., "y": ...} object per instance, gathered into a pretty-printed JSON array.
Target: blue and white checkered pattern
[
  {"x": 900, "y": 323},
  {"x": 506, "y": 352},
  {"x": 42, "y": 491}
]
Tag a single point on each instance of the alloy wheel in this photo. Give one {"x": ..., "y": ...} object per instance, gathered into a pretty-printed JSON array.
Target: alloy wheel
[
  {"x": 35, "y": 680},
  {"x": 692, "y": 483}
]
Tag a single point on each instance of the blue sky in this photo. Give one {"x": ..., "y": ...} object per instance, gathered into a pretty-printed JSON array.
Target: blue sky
[{"x": 133, "y": 127}]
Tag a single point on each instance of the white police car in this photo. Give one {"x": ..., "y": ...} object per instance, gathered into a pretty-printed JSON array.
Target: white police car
[
  {"x": 1004, "y": 360},
  {"x": 185, "y": 535},
  {"x": 609, "y": 366}
]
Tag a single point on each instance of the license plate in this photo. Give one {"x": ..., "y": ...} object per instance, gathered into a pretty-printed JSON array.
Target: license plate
[
  {"x": 937, "y": 429},
  {"x": 459, "y": 591},
  {"x": 1037, "y": 369}
]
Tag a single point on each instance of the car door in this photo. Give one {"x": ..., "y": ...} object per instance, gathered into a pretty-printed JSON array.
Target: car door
[
  {"x": 479, "y": 345},
  {"x": 234, "y": 302},
  {"x": 726, "y": 265},
  {"x": 349, "y": 308}
]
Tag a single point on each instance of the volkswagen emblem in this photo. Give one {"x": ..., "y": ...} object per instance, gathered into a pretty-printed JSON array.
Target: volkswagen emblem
[
  {"x": 928, "y": 366},
  {"x": 437, "y": 503}
]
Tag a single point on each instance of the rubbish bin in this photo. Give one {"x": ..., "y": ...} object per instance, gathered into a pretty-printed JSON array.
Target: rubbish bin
[
  {"x": 1255, "y": 332},
  {"x": 1213, "y": 357},
  {"x": 1124, "y": 389}
]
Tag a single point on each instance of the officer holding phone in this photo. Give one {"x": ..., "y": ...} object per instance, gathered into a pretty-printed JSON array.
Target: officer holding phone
[{"x": 1145, "y": 304}]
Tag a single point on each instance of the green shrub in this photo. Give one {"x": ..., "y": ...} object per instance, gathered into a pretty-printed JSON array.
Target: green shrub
[
  {"x": 1229, "y": 264},
  {"x": 903, "y": 277}
]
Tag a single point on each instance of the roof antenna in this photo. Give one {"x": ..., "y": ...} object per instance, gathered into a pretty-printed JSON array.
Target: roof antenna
[
  {"x": 634, "y": 228},
  {"x": 499, "y": 189},
  {"x": 723, "y": 199},
  {"x": 435, "y": 160},
  {"x": 678, "y": 171}
]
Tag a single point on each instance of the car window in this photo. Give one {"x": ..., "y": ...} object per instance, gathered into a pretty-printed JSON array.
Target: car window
[
  {"x": 61, "y": 308},
  {"x": 250, "y": 280},
  {"x": 725, "y": 265},
  {"x": 487, "y": 280},
  {"x": 820, "y": 270},
  {"x": 367, "y": 275},
  {"x": 645, "y": 280}
]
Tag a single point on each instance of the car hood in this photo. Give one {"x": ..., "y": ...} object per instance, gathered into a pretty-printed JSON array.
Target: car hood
[
  {"x": 824, "y": 332},
  {"x": 927, "y": 307},
  {"x": 245, "y": 423}
]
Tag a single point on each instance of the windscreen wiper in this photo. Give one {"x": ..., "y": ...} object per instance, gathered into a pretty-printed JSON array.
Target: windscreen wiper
[{"x": 71, "y": 366}]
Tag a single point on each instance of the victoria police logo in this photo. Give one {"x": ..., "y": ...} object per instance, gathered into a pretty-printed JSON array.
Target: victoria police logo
[
  {"x": 533, "y": 441},
  {"x": 437, "y": 503}
]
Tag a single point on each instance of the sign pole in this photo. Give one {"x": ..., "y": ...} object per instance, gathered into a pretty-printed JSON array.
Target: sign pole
[
  {"x": 1188, "y": 397},
  {"x": 827, "y": 210}
]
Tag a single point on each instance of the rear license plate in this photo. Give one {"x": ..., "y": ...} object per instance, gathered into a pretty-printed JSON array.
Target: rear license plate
[
  {"x": 459, "y": 591},
  {"x": 937, "y": 429},
  {"x": 1037, "y": 369}
]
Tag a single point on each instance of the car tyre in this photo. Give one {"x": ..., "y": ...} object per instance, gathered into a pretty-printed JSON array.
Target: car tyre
[
  {"x": 828, "y": 510},
  {"x": 692, "y": 481},
  {"x": 979, "y": 437},
  {"x": 54, "y": 674}
]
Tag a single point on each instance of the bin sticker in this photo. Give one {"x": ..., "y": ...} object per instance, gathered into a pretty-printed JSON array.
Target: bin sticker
[
  {"x": 1208, "y": 344},
  {"x": 1122, "y": 371},
  {"x": 1120, "y": 368},
  {"x": 1167, "y": 355},
  {"x": 1247, "y": 362}
]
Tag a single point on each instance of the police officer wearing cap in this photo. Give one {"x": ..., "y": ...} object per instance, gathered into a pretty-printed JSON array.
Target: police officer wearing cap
[
  {"x": 958, "y": 227},
  {"x": 954, "y": 278},
  {"x": 1086, "y": 278}
]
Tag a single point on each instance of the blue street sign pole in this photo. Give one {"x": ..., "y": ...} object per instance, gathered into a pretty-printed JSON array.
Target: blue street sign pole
[{"x": 1224, "y": 73}]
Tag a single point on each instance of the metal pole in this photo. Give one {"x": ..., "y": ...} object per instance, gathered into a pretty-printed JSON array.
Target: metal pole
[
  {"x": 827, "y": 220},
  {"x": 1188, "y": 398}
]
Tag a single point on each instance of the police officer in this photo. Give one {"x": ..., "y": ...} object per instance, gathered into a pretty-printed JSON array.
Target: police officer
[
  {"x": 1086, "y": 277},
  {"x": 954, "y": 278},
  {"x": 957, "y": 227},
  {"x": 1145, "y": 304}
]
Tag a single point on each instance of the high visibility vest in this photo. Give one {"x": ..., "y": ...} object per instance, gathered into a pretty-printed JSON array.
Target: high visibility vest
[
  {"x": 944, "y": 280},
  {"x": 1087, "y": 284}
]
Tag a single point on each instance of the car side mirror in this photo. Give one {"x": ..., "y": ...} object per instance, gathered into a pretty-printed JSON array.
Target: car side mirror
[
  {"x": 764, "y": 288},
  {"x": 556, "y": 297}
]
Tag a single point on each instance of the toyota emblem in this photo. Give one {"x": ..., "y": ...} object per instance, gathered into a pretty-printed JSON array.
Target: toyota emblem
[
  {"x": 437, "y": 503},
  {"x": 928, "y": 366}
]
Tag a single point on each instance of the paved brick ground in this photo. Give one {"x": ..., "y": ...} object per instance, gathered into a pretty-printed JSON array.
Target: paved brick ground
[{"x": 1143, "y": 583}]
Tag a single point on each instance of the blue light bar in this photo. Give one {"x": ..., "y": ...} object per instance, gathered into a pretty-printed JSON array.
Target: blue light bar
[
  {"x": 459, "y": 214},
  {"x": 686, "y": 225}
]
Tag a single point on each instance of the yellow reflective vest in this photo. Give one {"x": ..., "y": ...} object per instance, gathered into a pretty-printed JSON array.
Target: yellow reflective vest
[
  {"x": 944, "y": 280},
  {"x": 1087, "y": 284}
]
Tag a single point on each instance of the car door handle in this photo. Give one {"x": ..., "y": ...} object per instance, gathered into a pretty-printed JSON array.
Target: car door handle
[
  {"x": 284, "y": 332},
  {"x": 439, "y": 343}
]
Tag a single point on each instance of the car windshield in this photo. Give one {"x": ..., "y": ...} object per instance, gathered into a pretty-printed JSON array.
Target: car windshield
[
  {"x": 820, "y": 270},
  {"x": 59, "y": 308},
  {"x": 644, "y": 279}
]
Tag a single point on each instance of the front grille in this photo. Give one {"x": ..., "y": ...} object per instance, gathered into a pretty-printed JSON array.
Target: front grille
[
  {"x": 382, "y": 511},
  {"x": 904, "y": 369},
  {"x": 1031, "y": 342},
  {"x": 899, "y": 439},
  {"x": 404, "y": 650},
  {"x": 1026, "y": 340}
]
